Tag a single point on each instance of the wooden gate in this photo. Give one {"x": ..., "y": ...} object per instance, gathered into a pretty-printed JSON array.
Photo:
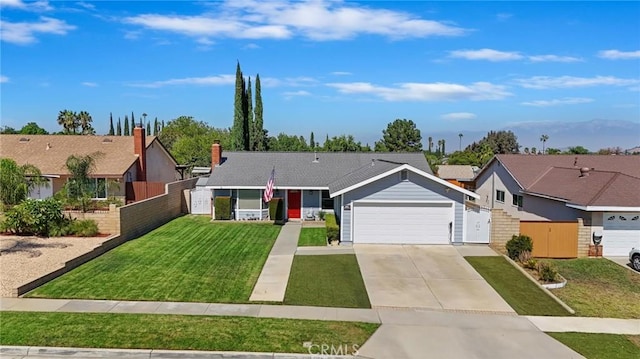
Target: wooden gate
[
  {"x": 139, "y": 190},
  {"x": 552, "y": 239}
]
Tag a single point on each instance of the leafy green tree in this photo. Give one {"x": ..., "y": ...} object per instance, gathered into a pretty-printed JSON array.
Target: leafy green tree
[
  {"x": 259, "y": 132},
  {"x": 189, "y": 141},
  {"x": 544, "y": 139},
  {"x": 578, "y": 150},
  {"x": 84, "y": 120},
  {"x": 126, "y": 126},
  {"x": 238, "y": 130},
  {"x": 344, "y": 143},
  {"x": 286, "y": 143},
  {"x": 69, "y": 121},
  {"x": 32, "y": 128},
  {"x": 500, "y": 142},
  {"x": 400, "y": 136},
  {"x": 111, "y": 129},
  {"x": 6, "y": 130},
  {"x": 80, "y": 186},
  {"x": 553, "y": 151},
  {"x": 16, "y": 181},
  {"x": 433, "y": 161},
  {"x": 119, "y": 128},
  {"x": 464, "y": 158}
]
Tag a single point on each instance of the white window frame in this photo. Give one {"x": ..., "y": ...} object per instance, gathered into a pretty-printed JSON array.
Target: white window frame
[{"x": 498, "y": 195}]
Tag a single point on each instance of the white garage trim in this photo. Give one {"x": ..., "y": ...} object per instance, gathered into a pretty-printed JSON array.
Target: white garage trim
[
  {"x": 417, "y": 231},
  {"x": 620, "y": 233}
]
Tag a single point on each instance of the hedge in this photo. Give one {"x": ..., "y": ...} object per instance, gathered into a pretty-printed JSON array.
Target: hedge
[
  {"x": 276, "y": 209},
  {"x": 333, "y": 231},
  {"x": 223, "y": 208}
]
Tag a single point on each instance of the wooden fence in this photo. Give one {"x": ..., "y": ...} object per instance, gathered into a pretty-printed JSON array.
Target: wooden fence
[
  {"x": 138, "y": 190},
  {"x": 552, "y": 239}
]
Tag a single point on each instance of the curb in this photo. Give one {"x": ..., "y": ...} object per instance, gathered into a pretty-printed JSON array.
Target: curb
[
  {"x": 54, "y": 352},
  {"x": 553, "y": 296}
]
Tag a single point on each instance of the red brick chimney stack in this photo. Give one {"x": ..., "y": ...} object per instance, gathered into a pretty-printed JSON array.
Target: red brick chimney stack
[
  {"x": 140, "y": 149},
  {"x": 216, "y": 154}
]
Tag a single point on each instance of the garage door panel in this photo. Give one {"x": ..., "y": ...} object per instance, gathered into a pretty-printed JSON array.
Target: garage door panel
[
  {"x": 406, "y": 223},
  {"x": 621, "y": 232}
]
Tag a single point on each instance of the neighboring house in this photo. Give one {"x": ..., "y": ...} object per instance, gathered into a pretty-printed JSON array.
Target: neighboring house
[
  {"x": 602, "y": 190},
  {"x": 377, "y": 197},
  {"x": 122, "y": 160},
  {"x": 459, "y": 175}
]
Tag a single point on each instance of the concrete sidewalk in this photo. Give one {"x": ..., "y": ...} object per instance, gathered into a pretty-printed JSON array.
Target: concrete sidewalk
[
  {"x": 587, "y": 325},
  {"x": 272, "y": 283}
]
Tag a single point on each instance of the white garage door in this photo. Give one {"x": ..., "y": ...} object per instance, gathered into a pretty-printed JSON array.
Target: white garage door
[
  {"x": 621, "y": 232},
  {"x": 402, "y": 223}
]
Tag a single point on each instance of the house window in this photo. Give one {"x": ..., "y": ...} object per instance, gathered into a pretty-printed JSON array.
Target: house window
[
  {"x": 327, "y": 202},
  {"x": 97, "y": 187},
  {"x": 249, "y": 199},
  {"x": 404, "y": 176},
  {"x": 517, "y": 200},
  {"x": 500, "y": 196}
]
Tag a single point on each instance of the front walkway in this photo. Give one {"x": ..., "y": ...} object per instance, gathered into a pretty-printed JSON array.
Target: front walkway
[{"x": 272, "y": 283}]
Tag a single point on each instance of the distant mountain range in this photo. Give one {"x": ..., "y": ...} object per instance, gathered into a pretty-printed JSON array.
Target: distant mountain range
[{"x": 593, "y": 134}]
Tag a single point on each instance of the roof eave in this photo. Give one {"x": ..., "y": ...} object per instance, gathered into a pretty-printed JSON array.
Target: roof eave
[{"x": 604, "y": 208}]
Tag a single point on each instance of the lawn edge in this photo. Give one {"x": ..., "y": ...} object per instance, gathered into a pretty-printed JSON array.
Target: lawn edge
[{"x": 547, "y": 291}]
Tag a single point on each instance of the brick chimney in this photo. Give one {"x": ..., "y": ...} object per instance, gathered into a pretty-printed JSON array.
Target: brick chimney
[
  {"x": 216, "y": 154},
  {"x": 140, "y": 149}
]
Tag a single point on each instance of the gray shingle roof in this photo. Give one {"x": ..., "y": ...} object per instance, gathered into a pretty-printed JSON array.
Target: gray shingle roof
[
  {"x": 363, "y": 173},
  {"x": 298, "y": 169}
]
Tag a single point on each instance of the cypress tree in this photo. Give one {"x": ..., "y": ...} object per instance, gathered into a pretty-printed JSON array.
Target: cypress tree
[
  {"x": 238, "y": 130},
  {"x": 119, "y": 128},
  {"x": 148, "y": 128},
  {"x": 111, "y": 130},
  {"x": 162, "y": 127},
  {"x": 259, "y": 124},
  {"x": 251, "y": 127},
  {"x": 155, "y": 126},
  {"x": 126, "y": 126},
  {"x": 133, "y": 123},
  {"x": 312, "y": 141}
]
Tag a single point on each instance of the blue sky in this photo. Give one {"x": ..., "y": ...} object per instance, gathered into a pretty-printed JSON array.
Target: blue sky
[{"x": 331, "y": 67}]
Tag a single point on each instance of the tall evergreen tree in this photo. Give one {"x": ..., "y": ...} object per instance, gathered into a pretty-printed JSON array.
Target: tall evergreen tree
[
  {"x": 156, "y": 126},
  {"x": 259, "y": 124},
  {"x": 119, "y": 128},
  {"x": 126, "y": 126},
  {"x": 312, "y": 141},
  {"x": 133, "y": 123},
  {"x": 238, "y": 129},
  {"x": 149, "y": 128},
  {"x": 111, "y": 130},
  {"x": 251, "y": 128},
  {"x": 162, "y": 127}
]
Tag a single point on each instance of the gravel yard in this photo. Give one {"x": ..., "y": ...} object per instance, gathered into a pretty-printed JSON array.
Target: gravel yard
[{"x": 23, "y": 259}]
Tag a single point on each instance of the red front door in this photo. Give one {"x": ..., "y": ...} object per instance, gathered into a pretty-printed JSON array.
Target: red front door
[{"x": 293, "y": 204}]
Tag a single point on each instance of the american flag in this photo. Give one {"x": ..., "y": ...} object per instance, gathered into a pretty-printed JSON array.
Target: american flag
[{"x": 268, "y": 191}]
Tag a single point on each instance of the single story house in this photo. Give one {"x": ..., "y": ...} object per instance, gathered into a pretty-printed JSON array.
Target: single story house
[
  {"x": 122, "y": 160},
  {"x": 459, "y": 175},
  {"x": 376, "y": 197},
  {"x": 602, "y": 190}
]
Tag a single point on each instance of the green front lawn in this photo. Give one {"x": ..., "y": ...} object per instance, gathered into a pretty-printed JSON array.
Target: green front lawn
[
  {"x": 188, "y": 259},
  {"x": 313, "y": 237},
  {"x": 601, "y": 346},
  {"x": 524, "y": 296},
  {"x": 176, "y": 332},
  {"x": 599, "y": 288},
  {"x": 326, "y": 281}
]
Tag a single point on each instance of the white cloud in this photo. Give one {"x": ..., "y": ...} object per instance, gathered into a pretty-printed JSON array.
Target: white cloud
[
  {"x": 486, "y": 54},
  {"x": 89, "y": 84},
  {"x": 251, "y": 46},
  {"x": 86, "y": 5},
  {"x": 558, "y": 102},
  {"x": 288, "y": 95},
  {"x": 12, "y": 3},
  {"x": 37, "y": 6},
  {"x": 316, "y": 20},
  {"x": 546, "y": 82},
  {"x": 341, "y": 73},
  {"x": 300, "y": 81},
  {"x": 438, "y": 91},
  {"x": 197, "y": 81},
  {"x": 3, "y": 79},
  {"x": 619, "y": 55},
  {"x": 23, "y": 33},
  {"x": 457, "y": 116},
  {"x": 554, "y": 58},
  {"x": 503, "y": 16}
]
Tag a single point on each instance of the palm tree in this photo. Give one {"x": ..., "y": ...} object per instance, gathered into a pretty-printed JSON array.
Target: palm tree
[
  {"x": 85, "y": 119},
  {"x": 67, "y": 119},
  {"x": 430, "y": 143},
  {"x": 544, "y": 139},
  {"x": 460, "y": 135}
]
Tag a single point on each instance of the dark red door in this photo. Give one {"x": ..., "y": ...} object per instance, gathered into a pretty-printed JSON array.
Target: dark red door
[{"x": 293, "y": 206}]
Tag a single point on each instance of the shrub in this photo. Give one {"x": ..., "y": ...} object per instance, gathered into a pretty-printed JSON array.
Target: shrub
[
  {"x": 518, "y": 244},
  {"x": 547, "y": 271},
  {"x": 276, "y": 209},
  {"x": 223, "y": 208},
  {"x": 333, "y": 231},
  {"x": 35, "y": 217},
  {"x": 322, "y": 215},
  {"x": 530, "y": 263},
  {"x": 83, "y": 228},
  {"x": 524, "y": 256}
]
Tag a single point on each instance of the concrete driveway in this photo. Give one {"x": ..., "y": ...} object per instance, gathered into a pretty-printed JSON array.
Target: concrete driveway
[{"x": 425, "y": 276}]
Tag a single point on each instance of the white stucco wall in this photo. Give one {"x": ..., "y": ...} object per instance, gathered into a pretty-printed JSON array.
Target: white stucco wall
[
  {"x": 160, "y": 167},
  {"x": 494, "y": 178}
]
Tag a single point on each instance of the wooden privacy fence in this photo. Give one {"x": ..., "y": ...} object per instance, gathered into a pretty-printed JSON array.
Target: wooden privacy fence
[
  {"x": 552, "y": 239},
  {"x": 138, "y": 190}
]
